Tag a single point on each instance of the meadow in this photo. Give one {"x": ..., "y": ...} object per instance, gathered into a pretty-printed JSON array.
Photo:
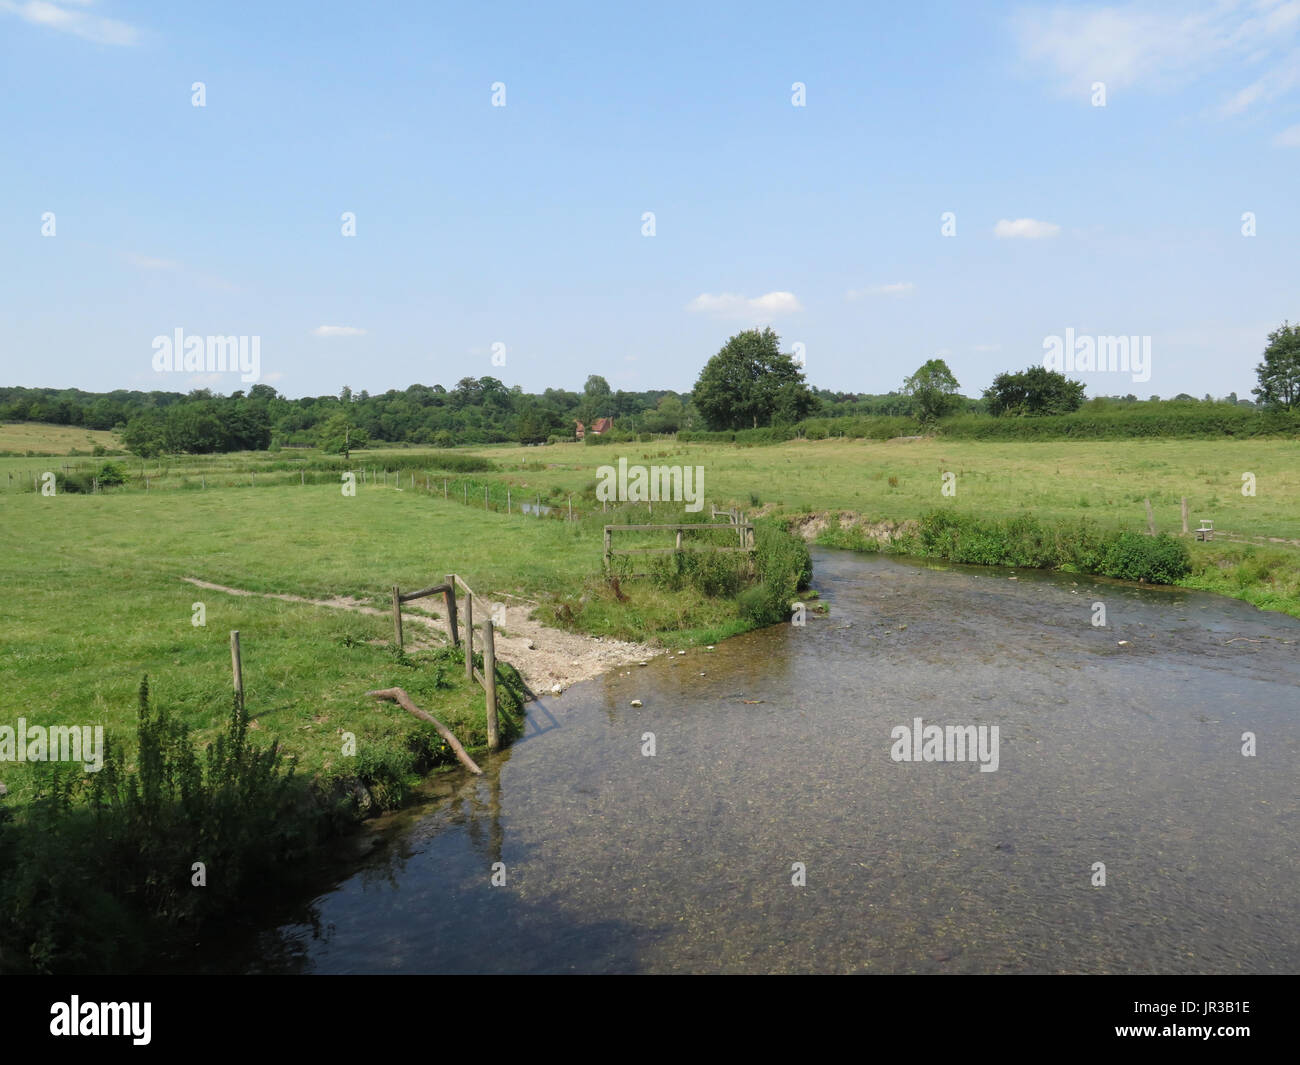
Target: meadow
[{"x": 95, "y": 595}]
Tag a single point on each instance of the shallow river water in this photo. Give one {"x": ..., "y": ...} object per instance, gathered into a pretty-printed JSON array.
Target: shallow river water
[{"x": 775, "y": 749}]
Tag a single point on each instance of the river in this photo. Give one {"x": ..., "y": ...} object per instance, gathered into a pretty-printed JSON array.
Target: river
[{"x": 775, "y": 749}]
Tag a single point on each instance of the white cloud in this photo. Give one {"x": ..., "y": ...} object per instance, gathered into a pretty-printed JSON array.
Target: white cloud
[
  {"x": 79, "y": 23},
  {"x": 1162, "y": 44},
  {"x": 731, "y": 305},
  {"x": 898, "y": 288},
  {"x": 1273, "y": 84},
  {"x": 338, "y": 331},
  {"x": 1026, "y": 228},
  {"x": 1288, "y": 138}
]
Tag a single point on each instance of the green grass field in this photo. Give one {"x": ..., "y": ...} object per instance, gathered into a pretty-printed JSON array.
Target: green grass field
[
  {"x": 1103, "y": 480},
  {"x": 94, "y": 596},
  {"x": 41, "y": 438}
]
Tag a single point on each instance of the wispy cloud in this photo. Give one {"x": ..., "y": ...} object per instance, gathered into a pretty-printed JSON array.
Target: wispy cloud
[
  {"x": 1163, "y": 44},
  {"x": 897, "y": 288},
  {"x": 1288, "y": 138},
  {"x": 731, "y": 305},
  {"x": 338, "y": 331},
  {"x": 1025, "y": 229},
  {"x": 66, "y": 17}
]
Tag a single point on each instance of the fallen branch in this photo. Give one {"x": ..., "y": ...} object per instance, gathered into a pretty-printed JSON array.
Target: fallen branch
[{"x": 399, "y": 696}]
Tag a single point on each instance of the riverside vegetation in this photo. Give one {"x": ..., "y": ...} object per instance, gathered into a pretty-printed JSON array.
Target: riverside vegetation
[{"x": 96, "y": 869}]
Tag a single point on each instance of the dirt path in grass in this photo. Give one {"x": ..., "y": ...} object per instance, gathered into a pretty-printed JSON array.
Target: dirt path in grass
[{"x": 546, "y": 657}]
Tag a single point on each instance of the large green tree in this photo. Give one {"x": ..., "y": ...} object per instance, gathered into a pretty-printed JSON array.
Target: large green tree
[
  {"x": 750, "y": 382},
  {"x": 1036, "y": 391},
  {"x": 1279, "y": 373},
  {"x": 933, "y": 390},
  {"x": 338, "y": 435}
]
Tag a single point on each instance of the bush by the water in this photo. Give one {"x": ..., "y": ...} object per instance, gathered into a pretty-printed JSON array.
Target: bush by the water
[
  {"x": 1156, "y": 559},
  {"x": 1024, "y": 541},
  {"x": 100, "y": 865},
  {"x": 781, "y": 566}
]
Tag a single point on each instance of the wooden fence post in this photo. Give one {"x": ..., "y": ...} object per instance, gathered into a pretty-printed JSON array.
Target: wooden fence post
[
  {"x": 679, "y": 539},
  {"x": 1151, "y": 519},
  {"x": 237, "y": 667},
  {"x": 609, "y": 543},
  {"x": 507, "y": 500},
  {"x": 449, "y": 600},
  {"x": 469, "y": 637},
  {"x": 1184, "y": 515},
  {"x": 444, "y": 488},
  {"x": 397, "y": 617},
  {"x": 485, "y": 497},
  {"x": 570, "y": 508},
  {"x": 490, "y": 682}
]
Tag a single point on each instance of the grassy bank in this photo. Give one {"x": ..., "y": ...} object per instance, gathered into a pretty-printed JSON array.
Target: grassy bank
[{"x": 97, "y": 596}]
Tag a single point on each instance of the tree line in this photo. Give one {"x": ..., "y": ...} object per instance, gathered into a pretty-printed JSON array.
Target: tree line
[{"x": 749, "y": 384}]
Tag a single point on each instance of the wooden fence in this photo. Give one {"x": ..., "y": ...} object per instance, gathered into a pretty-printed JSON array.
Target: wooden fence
[
  {"x": 745, "y": 530},
  {"x": 487, "y": 678}
]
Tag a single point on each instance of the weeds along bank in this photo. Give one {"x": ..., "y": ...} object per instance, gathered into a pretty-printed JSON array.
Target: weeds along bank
[{"x": 98, "y": 870}]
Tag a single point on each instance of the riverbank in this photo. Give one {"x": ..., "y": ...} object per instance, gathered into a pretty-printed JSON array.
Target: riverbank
[
  {"x": 1119, "y": 744},
  {"x": 105, "y": 590}
]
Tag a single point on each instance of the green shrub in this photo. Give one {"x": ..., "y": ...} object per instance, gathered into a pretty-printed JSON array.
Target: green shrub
[
  {"x": 1155, "y": 559},
  {"x": 1077, "y": 547},
  {"x": 100, "y": 864},
  {"x": 111, "y": 474}
]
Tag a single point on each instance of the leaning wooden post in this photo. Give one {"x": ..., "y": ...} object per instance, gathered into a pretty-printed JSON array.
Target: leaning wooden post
[
  {"x": 1184, "y": 515},
  {"x": 1151, "y": 519},
  {"x": 609, "y": 544},
  {"x": 398, "y": 696},
  {"x": 490, "y": 683},
  {"x": 397, "y": 616},
  {"x": 469, "y": 637},
  {"x": 237, "y": 667},
  {"x": 449, "y": 600}
]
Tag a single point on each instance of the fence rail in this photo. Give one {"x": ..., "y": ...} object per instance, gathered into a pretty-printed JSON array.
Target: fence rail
[
  {"x": 488, "y": 677},
  {"x": 744, "y": 529}
]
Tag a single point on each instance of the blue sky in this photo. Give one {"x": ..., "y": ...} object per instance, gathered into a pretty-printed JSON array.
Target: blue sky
[{"x": 522, "y": 225}]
